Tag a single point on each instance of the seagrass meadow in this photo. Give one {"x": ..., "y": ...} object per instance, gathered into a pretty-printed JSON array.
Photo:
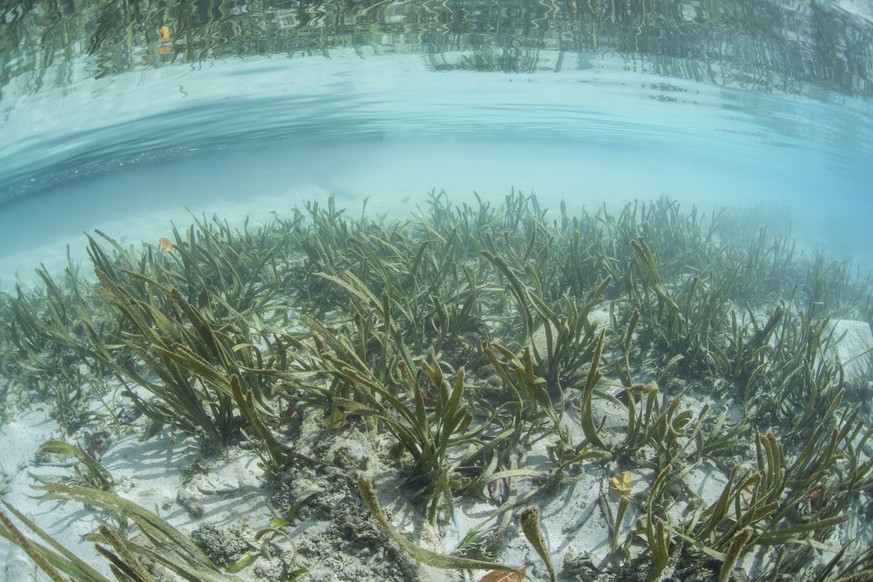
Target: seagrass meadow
[{"x": 475, "y": 391}]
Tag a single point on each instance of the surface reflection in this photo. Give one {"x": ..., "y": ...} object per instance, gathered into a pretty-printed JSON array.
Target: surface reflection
[{"x": 790, "y": 46}]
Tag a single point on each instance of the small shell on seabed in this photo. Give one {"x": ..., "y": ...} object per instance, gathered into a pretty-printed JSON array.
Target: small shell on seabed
[
  {"x": 188, "y": 500},
  {"x": 494, "y": 381},
  {"x": 498, "y": 490},
  {"x": 621, "y": 484},
  {"x": 95, "y": 444}
]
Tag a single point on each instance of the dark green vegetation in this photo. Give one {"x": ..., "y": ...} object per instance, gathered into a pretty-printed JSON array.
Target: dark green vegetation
[{"x": 471, "y": 334}]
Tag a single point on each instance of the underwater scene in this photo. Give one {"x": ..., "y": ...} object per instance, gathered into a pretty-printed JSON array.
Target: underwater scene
[{"x": 439, "y": 290}]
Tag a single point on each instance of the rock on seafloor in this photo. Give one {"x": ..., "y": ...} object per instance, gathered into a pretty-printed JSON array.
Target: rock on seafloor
[{"x": 854, "y": 350}]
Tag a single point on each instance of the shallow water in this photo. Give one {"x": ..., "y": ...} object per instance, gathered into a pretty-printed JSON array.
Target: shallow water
[
  {"x": 108, "y": 121},
  {"x": 250, "y": 108}
]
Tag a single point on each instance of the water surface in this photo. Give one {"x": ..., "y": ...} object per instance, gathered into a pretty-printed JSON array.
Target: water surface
[{"x": 125, "y": 116}]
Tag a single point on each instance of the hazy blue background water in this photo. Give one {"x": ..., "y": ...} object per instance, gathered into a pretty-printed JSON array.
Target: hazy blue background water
[{"x": 251, "y": 107}]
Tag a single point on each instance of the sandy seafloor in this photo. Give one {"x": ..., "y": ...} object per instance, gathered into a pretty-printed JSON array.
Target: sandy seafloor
[{"x": 332, "y": 537}]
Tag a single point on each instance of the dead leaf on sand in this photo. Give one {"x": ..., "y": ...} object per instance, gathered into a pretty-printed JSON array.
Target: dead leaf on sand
[{"x": 504, "y": 576}]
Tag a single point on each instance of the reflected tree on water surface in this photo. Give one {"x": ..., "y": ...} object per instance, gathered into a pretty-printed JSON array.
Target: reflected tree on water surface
[{"x": 762, "y": 45}]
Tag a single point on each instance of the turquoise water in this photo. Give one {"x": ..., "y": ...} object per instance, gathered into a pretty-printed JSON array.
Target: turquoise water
[
  {"x": 252, "y": 108},
  {"x": 129, "y": 116}
]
